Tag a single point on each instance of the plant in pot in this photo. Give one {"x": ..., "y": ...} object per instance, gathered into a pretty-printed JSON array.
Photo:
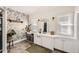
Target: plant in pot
[{"x": 28, "y": 28}]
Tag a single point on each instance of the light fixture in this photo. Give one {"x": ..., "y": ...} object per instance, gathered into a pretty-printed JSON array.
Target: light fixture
[
  {"x": 53, "y": 18},
  {"x": 38, "y": 19}
]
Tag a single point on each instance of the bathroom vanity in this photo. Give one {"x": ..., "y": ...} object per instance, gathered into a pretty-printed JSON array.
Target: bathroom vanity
[{"x": 44, "y": 40}]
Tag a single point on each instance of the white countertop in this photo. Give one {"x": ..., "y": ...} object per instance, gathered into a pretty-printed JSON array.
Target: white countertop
[
  {"x": 54, "y": 36},
  {"x": 41, "y": 34}
]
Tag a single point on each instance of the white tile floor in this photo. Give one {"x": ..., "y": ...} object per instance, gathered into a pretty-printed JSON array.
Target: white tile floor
[{"x": 20, "y": 47}]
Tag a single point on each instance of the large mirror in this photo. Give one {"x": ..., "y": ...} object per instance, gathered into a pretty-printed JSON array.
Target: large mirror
[{"x": 43, "y": 25}]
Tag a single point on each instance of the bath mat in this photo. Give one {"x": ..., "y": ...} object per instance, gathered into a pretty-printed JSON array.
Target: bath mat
[{"x": 38, "y": 49}]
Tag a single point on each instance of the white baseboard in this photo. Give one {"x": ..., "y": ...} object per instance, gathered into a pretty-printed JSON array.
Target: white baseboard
[{"x": 19, "y": 40}]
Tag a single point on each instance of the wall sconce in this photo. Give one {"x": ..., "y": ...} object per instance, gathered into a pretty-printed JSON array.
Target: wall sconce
[
  {"x": 53, "y": 18},
  {"x": 38, "y": 19}
]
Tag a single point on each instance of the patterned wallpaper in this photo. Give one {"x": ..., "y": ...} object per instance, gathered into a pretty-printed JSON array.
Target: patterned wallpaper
[{"x": 18, "y": 27}]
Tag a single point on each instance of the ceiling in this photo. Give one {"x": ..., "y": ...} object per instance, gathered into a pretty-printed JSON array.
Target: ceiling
[{"x": 40, "y": 9}]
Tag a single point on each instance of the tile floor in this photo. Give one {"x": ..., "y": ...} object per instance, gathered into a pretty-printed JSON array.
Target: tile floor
[{"x": 22, "y": 46}]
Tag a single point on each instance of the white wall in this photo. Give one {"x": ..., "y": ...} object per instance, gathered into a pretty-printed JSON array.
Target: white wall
[
  {"x": 49, "y": 12},
  {"x": 70, "y": 44},
  {"x": 4, "y": 31}
]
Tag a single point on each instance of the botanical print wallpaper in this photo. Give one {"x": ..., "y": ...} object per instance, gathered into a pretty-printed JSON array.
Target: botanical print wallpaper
[{"x": 19, "y": 28}]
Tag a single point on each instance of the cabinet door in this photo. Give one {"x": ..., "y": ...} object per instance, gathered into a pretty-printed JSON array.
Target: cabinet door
[
  {"x": 37, "y": 40},
  {"x": 59, "y": 44},
  {"x": 47, "y": 42},
  {"x": 44, "y": 41},
  {"x": 71, "y": 46}
]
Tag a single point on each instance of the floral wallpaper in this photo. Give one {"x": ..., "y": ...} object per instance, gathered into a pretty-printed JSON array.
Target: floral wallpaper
[{"x": 18, "y": 27}]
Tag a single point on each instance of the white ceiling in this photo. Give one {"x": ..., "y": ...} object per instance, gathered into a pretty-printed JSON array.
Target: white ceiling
[
  {"x": 40, "y": 9},
  {"x": 25, "y": 9}
]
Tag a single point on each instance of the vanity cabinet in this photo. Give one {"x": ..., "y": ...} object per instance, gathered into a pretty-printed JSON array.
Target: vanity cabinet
[
  {"x": 71, "y": 46},
  {"x": 59, "y": 44},
  {"x": 47, "y": 42},
  {"x": 44, "y": 40},
  {"x": 37, "y": 40},
  {"x": 66, "y": 45}
]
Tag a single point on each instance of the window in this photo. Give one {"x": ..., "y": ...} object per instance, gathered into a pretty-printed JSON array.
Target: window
[
  {"x": 66, "y": 24},
  {"x": 34, "y": 26}
]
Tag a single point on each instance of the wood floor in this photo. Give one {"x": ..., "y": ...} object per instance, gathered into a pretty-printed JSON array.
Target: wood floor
[{"x": 22, "y": 46}]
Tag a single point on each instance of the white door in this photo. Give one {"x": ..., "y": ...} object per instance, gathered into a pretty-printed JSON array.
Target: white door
[
  {"x": 37, "y": 39},
  {"x": 71, "y": 46},
  {"x": 59, "y": 44}
]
